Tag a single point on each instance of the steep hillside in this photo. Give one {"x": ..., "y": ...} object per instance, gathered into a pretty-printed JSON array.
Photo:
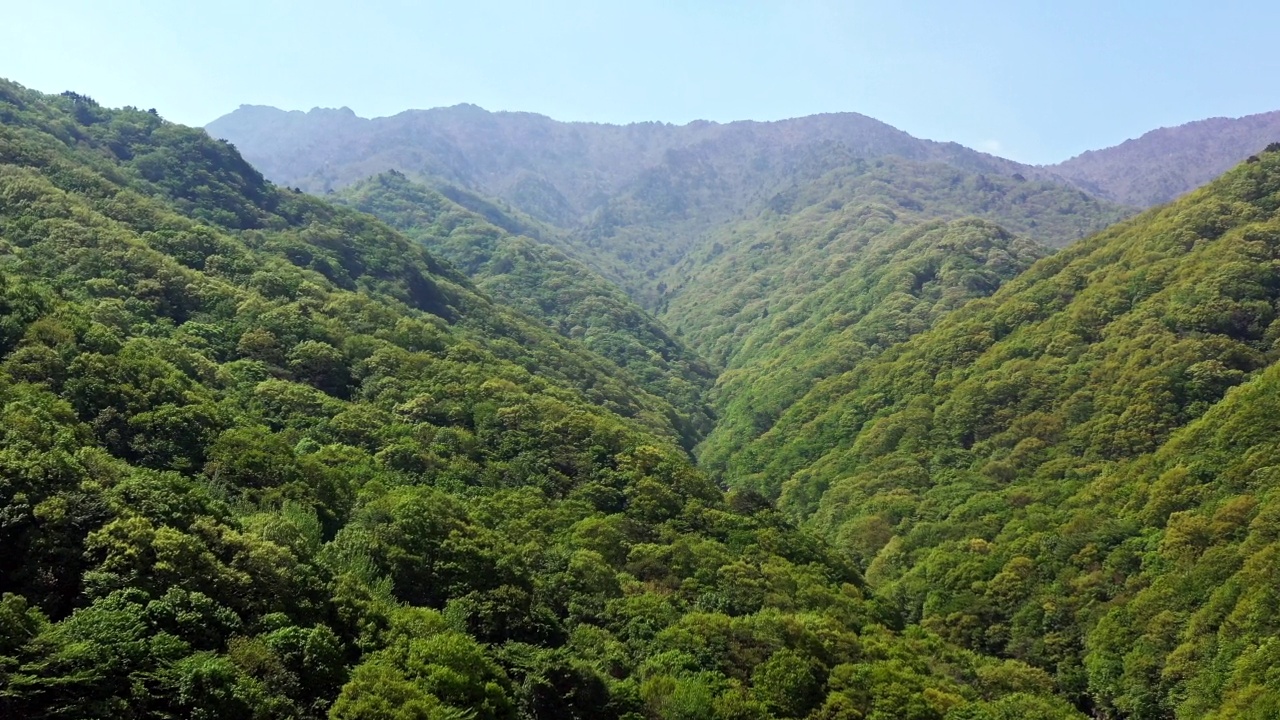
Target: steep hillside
[
  {"x": 541, "y": 281},
  {"x": 1169, "y": 162},
  {"x": 261, "y": 456},
  {"x": 1063, "y": 474}
]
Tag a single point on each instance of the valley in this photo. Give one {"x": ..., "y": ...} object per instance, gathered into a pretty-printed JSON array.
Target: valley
[{"x": 459, "y": 414}]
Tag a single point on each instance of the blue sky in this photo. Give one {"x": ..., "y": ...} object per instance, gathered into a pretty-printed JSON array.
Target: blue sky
[{"x": 1022, "y": 79}]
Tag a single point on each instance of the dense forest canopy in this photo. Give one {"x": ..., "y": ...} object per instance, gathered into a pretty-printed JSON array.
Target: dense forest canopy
[
  {"x": 1075, "y": 471},
  {"x": 824, "y": 430},
  {"x": 1166, "y": 163}
]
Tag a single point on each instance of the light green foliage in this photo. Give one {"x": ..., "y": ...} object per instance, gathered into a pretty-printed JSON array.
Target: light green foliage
[
  {"x": 759, "y": 276},
  {"x": 263, "y": 456},
  {"x": 886, "y": 282}
]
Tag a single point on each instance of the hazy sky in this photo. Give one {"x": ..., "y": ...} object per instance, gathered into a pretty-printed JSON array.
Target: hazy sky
[{"x": 1020, "y": 79}]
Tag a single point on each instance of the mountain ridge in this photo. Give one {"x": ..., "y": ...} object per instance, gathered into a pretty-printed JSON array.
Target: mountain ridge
[
  {"x": 545, "y": 283},
  {"x": 631, "y": 200},
  {"x": 1167, "y": 162}
]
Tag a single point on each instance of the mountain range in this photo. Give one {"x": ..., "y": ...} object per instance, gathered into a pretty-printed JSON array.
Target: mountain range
[
  {"x": 548, "y": 169},
  {"x": 1169, "y": 162}
]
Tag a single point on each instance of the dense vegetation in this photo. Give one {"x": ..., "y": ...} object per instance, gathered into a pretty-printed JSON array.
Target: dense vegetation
[
  {"x": 263, "y": 456},
  {"x": 542, "y": 281},
  {"x": 1079, "y": 471}
]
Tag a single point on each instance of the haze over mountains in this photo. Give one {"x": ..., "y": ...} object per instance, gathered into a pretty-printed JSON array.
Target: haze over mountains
[
  {"x": 506, "y": 154},
  {"x": 634, "y": 200},
  {"x": 1165, "y": 163},
  {"x": 511, "y": 419},
  {"x": 510, "y": 154}
]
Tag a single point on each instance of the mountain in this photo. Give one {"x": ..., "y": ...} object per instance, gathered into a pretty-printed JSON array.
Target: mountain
[
  {"x": 264, "y": 456},
  {"x": 1169, "y": 162},
  {"x": 631, "y": 201},
  {"x": 1078, "y": 471}
]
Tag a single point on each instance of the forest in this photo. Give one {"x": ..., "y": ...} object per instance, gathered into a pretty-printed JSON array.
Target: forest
[{"x": 401, "y": 451}]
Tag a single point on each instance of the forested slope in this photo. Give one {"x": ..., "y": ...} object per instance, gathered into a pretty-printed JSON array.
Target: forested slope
[
  {"x": 1076, "y": 471},
  {"x": 261, "y": 456},
  {"x": 1168, "y": 162},
  {"x": 543, "y": 282}
]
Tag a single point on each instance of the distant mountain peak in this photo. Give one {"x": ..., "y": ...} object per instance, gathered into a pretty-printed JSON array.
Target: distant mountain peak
[{"x": 1167, "y": 162}]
